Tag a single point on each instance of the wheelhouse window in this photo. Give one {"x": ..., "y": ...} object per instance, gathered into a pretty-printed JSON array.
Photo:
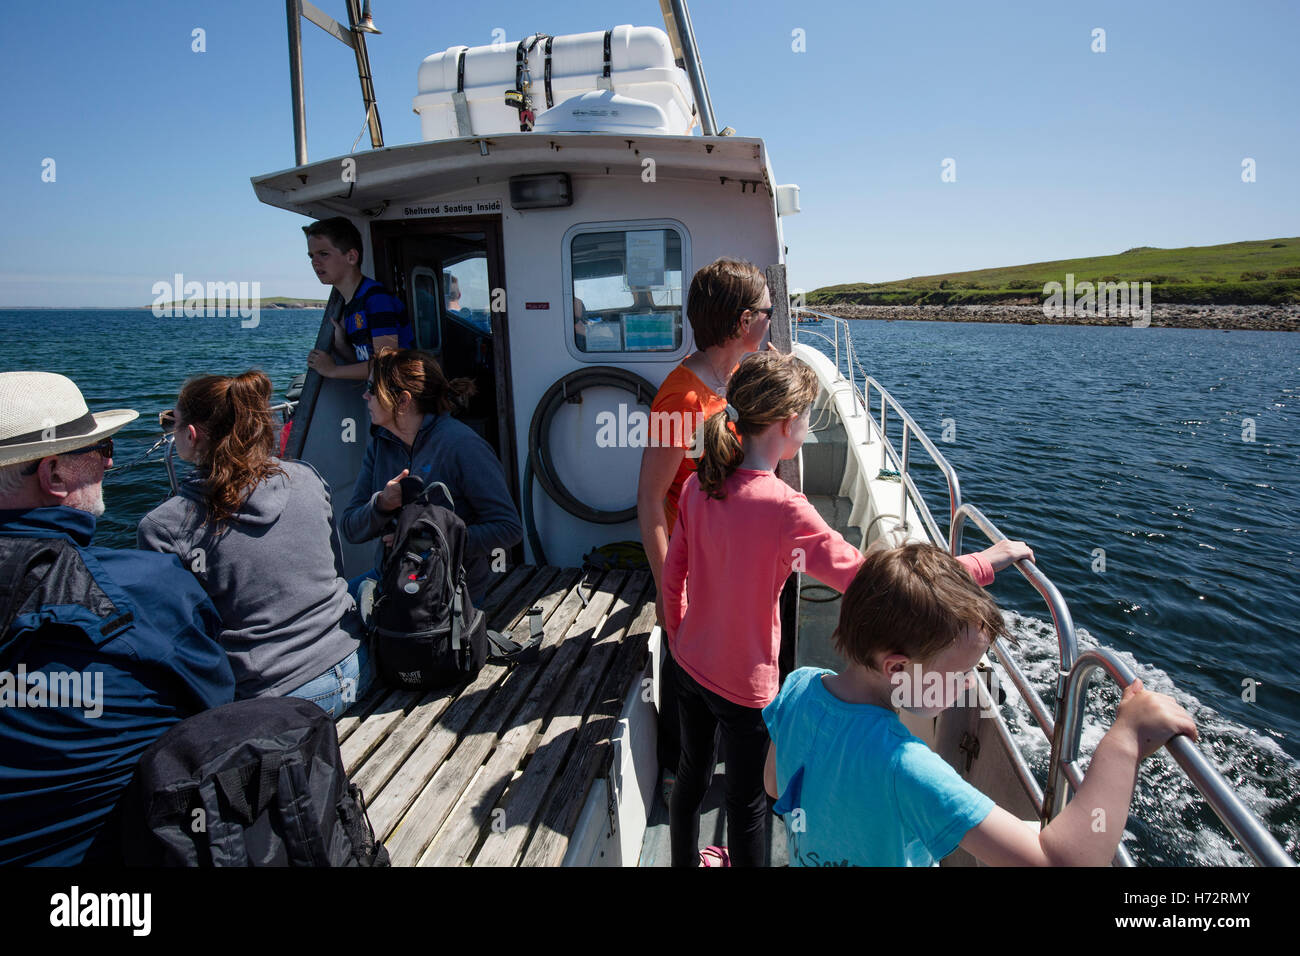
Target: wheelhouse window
[
  {"x": 466, "y": 296},
  {"x": 625, "y": 286}
]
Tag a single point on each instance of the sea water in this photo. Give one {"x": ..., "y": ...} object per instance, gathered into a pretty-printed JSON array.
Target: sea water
[{"x": 1154, "y": 473}]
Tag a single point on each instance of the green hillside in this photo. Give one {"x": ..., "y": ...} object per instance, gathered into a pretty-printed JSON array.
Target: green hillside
[{"x": 1263, "y": 272}]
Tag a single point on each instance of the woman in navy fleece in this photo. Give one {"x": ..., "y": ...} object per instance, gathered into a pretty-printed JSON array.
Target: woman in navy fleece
[{"x": 413, "y": 432}]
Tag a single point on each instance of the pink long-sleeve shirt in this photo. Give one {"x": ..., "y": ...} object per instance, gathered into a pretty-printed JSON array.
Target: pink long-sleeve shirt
[{"x": 727, "y": 562}]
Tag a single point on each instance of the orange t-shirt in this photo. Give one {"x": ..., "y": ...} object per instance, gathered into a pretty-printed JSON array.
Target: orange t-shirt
[{"x": 683, "y": 394}]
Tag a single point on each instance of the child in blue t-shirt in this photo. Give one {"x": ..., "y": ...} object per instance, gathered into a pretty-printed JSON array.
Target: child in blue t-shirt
[{"x": 857, "y": 788}]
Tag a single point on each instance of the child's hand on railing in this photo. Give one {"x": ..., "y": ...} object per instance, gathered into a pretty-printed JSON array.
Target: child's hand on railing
[
  {"x": 1006, "y": 553},
  {"x": 1152, "y": 718}
]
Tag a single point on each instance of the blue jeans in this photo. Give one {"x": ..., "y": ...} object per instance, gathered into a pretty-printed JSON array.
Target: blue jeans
[
  {"x": 354, "y": 584},
  {"x": 341, "y": 686}
]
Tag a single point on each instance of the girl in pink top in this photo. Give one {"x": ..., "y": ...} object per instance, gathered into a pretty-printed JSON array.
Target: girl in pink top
[{"x": 740, "y": 532}]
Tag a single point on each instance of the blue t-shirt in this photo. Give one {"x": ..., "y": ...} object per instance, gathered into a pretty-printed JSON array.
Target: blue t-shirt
[
  {"x": 857, "y": 787},
  {"x": 373, "y": 313}
]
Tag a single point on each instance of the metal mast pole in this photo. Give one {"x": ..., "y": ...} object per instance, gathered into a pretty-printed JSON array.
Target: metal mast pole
[
  {"x": 294, "y": 11},
  {"x": 677, "y": 19}
]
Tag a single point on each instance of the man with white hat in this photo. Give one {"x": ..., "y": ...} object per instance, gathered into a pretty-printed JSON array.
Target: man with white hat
[{"x": 101, "y": 650}]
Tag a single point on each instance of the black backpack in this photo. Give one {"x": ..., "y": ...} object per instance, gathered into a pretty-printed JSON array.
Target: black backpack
[
  {"x": 425, "y": 631},
  {"x": 257, "y": 782}
]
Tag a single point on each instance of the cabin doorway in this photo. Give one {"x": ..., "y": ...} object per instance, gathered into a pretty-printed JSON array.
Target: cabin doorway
[{"x": 450, "y": 273}]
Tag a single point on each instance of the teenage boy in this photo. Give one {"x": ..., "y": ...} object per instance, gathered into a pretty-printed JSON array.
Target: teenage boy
[
  {"x": 871, "y": 793},
  {"x": 372, "y": 318}
]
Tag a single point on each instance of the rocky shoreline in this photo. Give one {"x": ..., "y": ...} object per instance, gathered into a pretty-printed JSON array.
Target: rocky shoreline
[{"x": 1260, "y": 318}]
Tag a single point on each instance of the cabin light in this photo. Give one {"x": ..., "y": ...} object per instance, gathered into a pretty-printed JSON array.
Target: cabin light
[
  {"x": 367, "y": 24},
  {"x": 540, "y": 191}
]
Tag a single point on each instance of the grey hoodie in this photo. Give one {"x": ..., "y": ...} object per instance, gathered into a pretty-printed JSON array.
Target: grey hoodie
[{"x": 275, "y": 575}]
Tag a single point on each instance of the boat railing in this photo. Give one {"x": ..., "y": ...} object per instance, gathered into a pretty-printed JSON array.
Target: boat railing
[
  {"x": 283, "y": 409},
  {"x": 878, "y": 428},
  {"x": 1065, "y": 728}
]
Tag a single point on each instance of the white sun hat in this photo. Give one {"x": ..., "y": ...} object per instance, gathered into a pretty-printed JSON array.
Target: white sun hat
[{"x": 44, "y": 414}]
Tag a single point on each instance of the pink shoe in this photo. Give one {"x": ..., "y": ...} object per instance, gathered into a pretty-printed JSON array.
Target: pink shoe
[{"x": 715, "y": 856}]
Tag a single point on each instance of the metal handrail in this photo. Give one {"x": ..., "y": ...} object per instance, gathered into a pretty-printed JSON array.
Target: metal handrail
[
  {"x": 1262, "y": 846},
  {"x": 910, "y": 427},
  {"x": 169, "y": 455},
  {"x": 888, "y": 454},
  {"x": 1065, "y": 730}
]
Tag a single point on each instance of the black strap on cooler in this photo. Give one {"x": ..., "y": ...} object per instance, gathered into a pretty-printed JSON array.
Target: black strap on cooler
[
  {"x": 463, "y": 126},
  {"x": 524, "y": 101},
  {"x": 546, "y": 72},
  {"x": 606, "y": 82}
]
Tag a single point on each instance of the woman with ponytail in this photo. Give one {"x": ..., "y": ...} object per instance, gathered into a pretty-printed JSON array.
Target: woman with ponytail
[
  {"x": 413, "y": 433},
  {"x": 740, "y": 531},
  {"x": 259, "y": 535}
]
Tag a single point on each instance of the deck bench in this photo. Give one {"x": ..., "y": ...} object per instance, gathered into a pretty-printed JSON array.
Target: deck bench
[{"x": 498, "y": 772}]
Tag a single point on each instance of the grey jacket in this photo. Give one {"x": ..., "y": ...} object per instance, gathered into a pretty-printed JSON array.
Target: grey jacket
[
  {"x": 275, "y": 575},
  {"x": 449, "y": 451}
]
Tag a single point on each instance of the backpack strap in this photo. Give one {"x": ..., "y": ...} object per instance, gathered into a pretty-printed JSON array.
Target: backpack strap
[
  {"x": 226, "y": 846},
  {"x": 302, "y": 829}
]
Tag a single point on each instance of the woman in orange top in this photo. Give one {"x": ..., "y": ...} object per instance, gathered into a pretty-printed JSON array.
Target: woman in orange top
[{"x": 730, "y": 311}]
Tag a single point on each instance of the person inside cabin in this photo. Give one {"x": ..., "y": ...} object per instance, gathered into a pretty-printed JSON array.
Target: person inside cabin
[
  {"x": 453, "y": 294},
  {"x": 912, "y": 627},
  {"x": 740, "y": 532},
  {"x": 258, "y": 535},
  {"x": 580, "y": 322},
  {"x": 102, "y": 650},
  {"x": 413, "y": 432},
  {"x": 371, "y": 319},
  {"x": 730, "y": 310}
]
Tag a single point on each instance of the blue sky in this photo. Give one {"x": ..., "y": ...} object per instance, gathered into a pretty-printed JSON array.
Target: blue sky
[{"x": 1059, "y": 151}]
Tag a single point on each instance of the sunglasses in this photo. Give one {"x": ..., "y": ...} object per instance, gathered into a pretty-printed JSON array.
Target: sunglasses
[
  {"x": 765, "y": 313},
  {"x": 105, "y": 449},
  {"x": 370, "y": 387},
  {"x": 167, "y": 421}
]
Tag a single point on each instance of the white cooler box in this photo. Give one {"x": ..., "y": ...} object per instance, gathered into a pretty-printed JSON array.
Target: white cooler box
[{"x": 641, "y": 67}]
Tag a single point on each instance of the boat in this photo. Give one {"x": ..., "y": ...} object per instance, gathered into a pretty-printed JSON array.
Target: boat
[{"x": 572, "y": 185}]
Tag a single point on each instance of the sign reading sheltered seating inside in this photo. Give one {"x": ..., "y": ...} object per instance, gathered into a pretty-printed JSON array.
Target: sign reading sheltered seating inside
[{"x": 455, "y": 207}]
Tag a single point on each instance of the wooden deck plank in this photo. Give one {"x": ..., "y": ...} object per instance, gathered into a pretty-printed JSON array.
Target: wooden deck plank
[
  {"x": 378, "y": 768},
  {"x": 355, "y": 714},
  {"x": 459, "y": 835},
  {"x": 593, "y": 748},
  {"x": 475, "y": 739},
  {"x": 390, "y": 806},
  {"x": 363, "y": 741},
  {"x": 403, "y": 787},
  {"x": 526, "y": 793}
]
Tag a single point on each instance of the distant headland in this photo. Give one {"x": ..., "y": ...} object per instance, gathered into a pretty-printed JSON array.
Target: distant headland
[
  {"x": 279, "y": 302},
  {"x": 1245, "y": 285}
]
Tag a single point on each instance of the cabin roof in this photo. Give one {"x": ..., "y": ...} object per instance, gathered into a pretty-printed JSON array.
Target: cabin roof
[{"x": 397, "y": 174}]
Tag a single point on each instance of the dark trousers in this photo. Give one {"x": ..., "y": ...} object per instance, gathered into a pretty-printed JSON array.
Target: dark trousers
[
  {"x": 669, "y": 746},
  {"x": 744, "y": 739}
]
